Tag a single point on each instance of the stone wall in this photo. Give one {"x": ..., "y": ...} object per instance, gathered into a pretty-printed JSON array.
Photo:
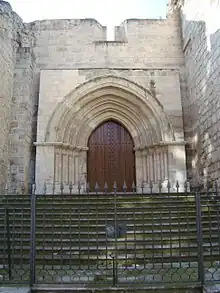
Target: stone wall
[
  {"x": 21, "y": 131},
  {"x": 201, "y": 46},
  {"x": 6, "y": 83},
  {"x": 15, "y": 77}
]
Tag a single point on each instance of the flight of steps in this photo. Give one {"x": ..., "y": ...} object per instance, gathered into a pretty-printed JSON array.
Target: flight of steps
[{"x": 156, "y": 239}]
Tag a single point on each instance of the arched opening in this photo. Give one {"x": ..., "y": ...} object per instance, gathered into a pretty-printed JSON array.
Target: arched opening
[{"x": 111, "y": 156}]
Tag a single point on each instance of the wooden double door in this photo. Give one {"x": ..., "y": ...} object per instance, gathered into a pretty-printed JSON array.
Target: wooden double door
[{"x": 111, "y": 157}]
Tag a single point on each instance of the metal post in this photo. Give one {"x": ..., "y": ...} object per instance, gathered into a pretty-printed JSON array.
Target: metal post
[
  {"x": 201, "y": 273},
  {"x": 8, "y": 244},
  {"x": 33, "y": 240},
  {"x": 115, "y": 258},
  {"x": 114, "y": 271}
]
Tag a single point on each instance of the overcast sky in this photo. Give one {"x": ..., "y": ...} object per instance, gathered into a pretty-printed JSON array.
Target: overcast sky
[{"x": 107, "y": 12}]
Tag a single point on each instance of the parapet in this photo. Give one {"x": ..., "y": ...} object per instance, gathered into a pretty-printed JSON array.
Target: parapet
[
  {"x": 5, "y": 8},
  {"x": 135, "y": 28},
  {"x": 52, "y": 24},
  {"x": 7, "y": 12},
  {"x": 174, "y": 6}
]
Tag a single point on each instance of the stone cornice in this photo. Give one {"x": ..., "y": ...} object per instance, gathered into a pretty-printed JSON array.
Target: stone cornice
[
  {"x": 161, "y": 144},
  {"x": 83, "y": 148},
  {"x": 61, "y": 145}
]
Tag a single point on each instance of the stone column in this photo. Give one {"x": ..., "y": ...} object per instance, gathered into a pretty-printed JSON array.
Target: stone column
[
  {"x": 139, "y": 167},
  {"x": 83, "y": 168}
]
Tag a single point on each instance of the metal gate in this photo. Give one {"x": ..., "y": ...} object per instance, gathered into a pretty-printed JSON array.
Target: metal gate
[{"x": 111, "y": 239}]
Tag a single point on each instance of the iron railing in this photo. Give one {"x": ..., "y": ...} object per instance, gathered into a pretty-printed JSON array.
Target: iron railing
[{"x": 110, "y": 239}]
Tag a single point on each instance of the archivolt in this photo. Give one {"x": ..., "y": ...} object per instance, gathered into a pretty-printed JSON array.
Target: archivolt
[{"x": 105, "y": 98}]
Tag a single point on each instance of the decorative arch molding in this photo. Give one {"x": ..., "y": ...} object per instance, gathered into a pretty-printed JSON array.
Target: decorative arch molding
[
  {"x": 107, "y": 97},
  {"x": 62, "y": 156}
]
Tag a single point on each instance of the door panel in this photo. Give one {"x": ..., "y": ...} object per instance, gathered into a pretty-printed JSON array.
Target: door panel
[{"x": 111, "y": 156}]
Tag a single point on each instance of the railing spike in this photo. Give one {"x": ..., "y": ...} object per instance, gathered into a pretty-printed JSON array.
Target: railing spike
[
  {"x": 177, "y": 186},
  {"x": 22, "y": 188},
  {"x": 185, "y": 186},
  {"x": 115, "y": 186},
  {"x": 79, "y": 187},
  {"x": 96, "y": 187},
  {"x": 133, "y": 187},
  {"x": 168, "y": 186},
  {"x": 45, "y": 188},
  {"x": 71, "y": 187},
  {"x": 216, "y": 187},
  {"x": 87, "y": 187},
  {"x": 151, "y": 186},
  {"x": 19, "y": 188},
  {"x": 33, "y": 188},
  {"x": 106, "y": 187},
  {"x": 6, "y": 189},
  {"x": 124, "y": 186},
  {"x": 160, "y": 186},
  {"x": 142, "y": 187},
  {"x": 61, "y": 187},
  {"x": 53, "y": 188}
]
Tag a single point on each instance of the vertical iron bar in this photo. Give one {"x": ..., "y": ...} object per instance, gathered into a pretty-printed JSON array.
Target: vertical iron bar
[
  {"x": 114, "y": 271},
  {"x": 33, "y": 240},
  {"x": 88, "y": 235},
  {"x": 53, "y": 218},
  {"x": 8, "y": 244},
  {"x": 199, "y": 239},
  {"x": 115, "y": 258},
  {"x": 106, "y": 240}
]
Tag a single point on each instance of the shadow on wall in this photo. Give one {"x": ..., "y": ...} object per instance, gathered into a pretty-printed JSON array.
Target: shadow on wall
[{"x": 202, "y": 114}]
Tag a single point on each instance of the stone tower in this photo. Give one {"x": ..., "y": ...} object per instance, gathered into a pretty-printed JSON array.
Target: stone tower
[
  {"x": 17, "y": 65},
  {"x": 6, "y": 83}
]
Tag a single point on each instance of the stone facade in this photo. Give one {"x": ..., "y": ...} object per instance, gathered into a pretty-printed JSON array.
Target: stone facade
[{"x": 62, "y": 78}]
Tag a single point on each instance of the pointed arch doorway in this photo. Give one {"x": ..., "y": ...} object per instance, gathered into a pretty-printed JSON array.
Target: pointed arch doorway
[{"x": 111, "y": 156}]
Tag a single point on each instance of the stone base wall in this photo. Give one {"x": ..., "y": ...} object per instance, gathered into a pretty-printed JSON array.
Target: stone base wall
[{"x": 59, "y": 167}]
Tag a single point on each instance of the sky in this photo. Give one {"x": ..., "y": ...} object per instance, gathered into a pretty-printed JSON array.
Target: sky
[{"x": 108, "y": 12}]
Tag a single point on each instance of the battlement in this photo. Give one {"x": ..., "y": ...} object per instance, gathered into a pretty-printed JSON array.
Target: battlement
[
  {"x": 52, "y": 24},
  {"x": 5, "y": 8},
  {"x": 7, "y": 13},
  {"x": 174, "y": 6}
]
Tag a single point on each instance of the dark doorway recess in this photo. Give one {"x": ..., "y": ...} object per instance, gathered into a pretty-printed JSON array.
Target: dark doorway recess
[{"x": 111, "y": 156}]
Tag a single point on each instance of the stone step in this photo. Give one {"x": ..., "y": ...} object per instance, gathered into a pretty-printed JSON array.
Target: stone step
[
  {"x": 132, "y": 247},
  {"x": 71, "y": 259},
  {"x": 103, "y": 241},
  {"x": 71, "y": 218},
  {"x": 212, "y": 232},
  {"x": 100, "y": 220},
  {"x": 102, "y": 206},
  {"x": 139, "y": 227},
  {"x": 111, "y": 196},
  {"x": 17, "y": 213},
  {"x": 124, "y": 289}
]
